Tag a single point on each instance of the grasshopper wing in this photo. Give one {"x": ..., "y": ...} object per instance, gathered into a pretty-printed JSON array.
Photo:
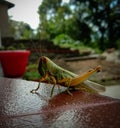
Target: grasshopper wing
[{"x": 95, "y": 86}]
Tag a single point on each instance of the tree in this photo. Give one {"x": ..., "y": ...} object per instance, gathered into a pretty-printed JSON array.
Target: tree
[
  {"x": 103, "y": 16},
  {"x": 47, "y": 10},
  {"x": 20, "y": 30},
  {"x": 84, "y": 20},
  {"x": 57, "y": 18}
]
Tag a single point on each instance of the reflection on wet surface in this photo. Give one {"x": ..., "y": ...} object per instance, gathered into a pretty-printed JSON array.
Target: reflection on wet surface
[{"x": 20, "y": 108}]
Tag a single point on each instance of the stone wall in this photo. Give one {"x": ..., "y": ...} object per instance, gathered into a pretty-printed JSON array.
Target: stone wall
[{"x": 39, "y": 47}]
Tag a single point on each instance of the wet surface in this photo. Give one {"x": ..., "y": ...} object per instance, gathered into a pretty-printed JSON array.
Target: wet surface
[
  {"x": 20, "y": 108},
  {"x": 112, "y": 91}
]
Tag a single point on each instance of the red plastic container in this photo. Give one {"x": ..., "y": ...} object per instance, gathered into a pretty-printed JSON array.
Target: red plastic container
[{"x": 14, "y": 62}]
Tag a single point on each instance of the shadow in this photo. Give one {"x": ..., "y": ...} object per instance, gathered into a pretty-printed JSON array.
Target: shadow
[
  {"x": 64, "y": 109},
  {"x": 42, "y": 97}
]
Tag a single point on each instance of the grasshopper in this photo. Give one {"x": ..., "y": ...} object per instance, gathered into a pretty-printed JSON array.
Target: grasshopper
[{"x": 56, "y": 75}]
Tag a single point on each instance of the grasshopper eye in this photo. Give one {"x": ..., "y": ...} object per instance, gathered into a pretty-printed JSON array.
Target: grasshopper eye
[
  {"x": 99, "y": 68},
  {"x": 90, "y": 70}
]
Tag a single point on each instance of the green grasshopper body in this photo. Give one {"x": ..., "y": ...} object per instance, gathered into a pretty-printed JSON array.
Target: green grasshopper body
[{"x": 56, "y": 75}]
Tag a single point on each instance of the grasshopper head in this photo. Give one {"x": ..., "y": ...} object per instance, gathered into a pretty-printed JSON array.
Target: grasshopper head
[{"x": 46, "y": 66}]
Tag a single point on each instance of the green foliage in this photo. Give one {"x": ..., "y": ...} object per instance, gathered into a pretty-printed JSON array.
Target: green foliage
[
  {"x": 53, "y": 17},
  {"x": 27, "y": 34},
  {"x": 118, "y": 44},
  {"x": 63, "y": 40},
  {"x": 32, "y": 72},
  {"x": 11, "y": 48},
  {"x": 20, "y": 30},
  {"x": 20, "y": 46},
  {"x": 103, "y": 16},
  {"x": 95, "y": 45},
  {"x": 66, "y": 41},
  {"x": 2, "y": 48},
  {"x": 84, "y": 20}
]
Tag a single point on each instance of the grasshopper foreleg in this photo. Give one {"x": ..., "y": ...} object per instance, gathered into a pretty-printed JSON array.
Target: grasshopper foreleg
[
  {"x": 41, "y": 80},
  {"x": 34, "y": 90}
]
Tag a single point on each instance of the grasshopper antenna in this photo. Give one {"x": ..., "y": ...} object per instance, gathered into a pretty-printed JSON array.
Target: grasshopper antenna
[{"x": 39, "y": 53}]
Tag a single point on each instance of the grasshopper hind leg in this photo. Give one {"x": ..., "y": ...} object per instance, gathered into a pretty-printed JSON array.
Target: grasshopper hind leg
[
  {"x": 68, "y": 88},
  {"x": 52, "y": 90},
  {"x": 34, "y": 90}
]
